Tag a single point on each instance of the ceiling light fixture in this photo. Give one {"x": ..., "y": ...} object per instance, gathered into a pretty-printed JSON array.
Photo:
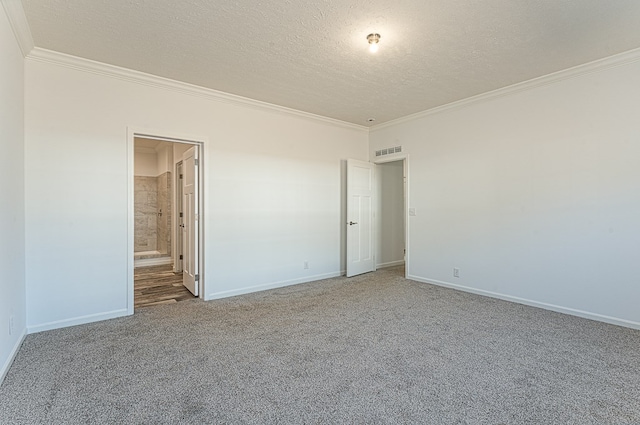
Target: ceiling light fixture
[{"x": 373, "y": 40}]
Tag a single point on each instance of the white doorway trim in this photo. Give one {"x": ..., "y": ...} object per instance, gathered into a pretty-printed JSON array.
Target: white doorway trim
[
  {"x": 405, "y": 161},
  {"x": 177, "y": 214},
  {"x": 132, "y": 133}
]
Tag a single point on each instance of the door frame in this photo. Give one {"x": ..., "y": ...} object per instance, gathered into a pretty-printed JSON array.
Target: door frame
[
  {"x": 177, "y": 231},
  {"x": 173, "y": 137},
  {"x": 405, "y": 166},
  {"x": 191, "y": 219}
]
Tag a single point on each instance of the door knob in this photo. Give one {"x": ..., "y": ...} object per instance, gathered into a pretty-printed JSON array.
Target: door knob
[{"x": 351, "y": 223}]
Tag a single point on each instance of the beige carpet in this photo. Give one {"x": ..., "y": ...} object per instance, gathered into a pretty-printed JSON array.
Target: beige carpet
[{"x": 372, "y": 349}]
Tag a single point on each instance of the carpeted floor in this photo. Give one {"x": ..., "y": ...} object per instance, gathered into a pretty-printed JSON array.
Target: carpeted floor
[{"x": 371, "y": 349}]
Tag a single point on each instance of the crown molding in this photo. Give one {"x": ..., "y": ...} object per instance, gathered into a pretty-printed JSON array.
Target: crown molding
[
  {"x": 19, "y": 24},
  {"x": 99, "y": 68},
  {"x": 599, "y": 65}
]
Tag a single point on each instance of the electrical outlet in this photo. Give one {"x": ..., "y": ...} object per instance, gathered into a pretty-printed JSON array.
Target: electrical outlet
[
  {"x": 11, "y": 325},
  {"x": 306, "y": 265},
  {"x": 456, "y": 272}
]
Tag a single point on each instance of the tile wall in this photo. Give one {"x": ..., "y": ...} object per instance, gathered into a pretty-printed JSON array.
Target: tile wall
[
  {"x": 145, "y": 213},
  {"x": 164, "y": 213}
]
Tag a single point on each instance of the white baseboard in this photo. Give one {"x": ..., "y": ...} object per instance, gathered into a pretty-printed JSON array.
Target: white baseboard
[
  {"x": 390, "y": 264},
  {"x": 146, "y": 262},
  {"x": 532, "y": 303},
  {"x": 273, "y": 285},
  {"x": 76, "y": 321},
  {"x": 12, "y": 355}
]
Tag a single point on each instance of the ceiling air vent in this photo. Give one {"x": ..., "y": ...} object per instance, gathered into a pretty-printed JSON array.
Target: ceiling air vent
[{"x": 389, "y": 151}]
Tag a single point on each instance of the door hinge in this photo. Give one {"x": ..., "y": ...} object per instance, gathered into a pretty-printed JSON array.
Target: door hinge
[
  {"x": 197, "y": 278},
  {"x": 197, "y": 161},
  {"x": 180, "y": 175},
  {"x": 180, "y": 256},
  {"x": 181, "y": 214}
]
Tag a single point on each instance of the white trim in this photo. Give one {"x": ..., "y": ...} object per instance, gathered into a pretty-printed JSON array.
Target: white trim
[
  {"x": 545, "y": 306},
  {"x": 173, "y": 137},
  {"x": 273, "y": 285},
  {"x": 81, "y": 320},
  {"x": 19, "y": 25},
  {"x": 574, "y": 72},
  {"x": 155, "y": 253},
  {"x": 61, "y": 59},
  {"x": 146, "y": 262},
  {"x": 130, "y": 217},
  {"x": 12, "y": 355},
  {"x": 390, "y": 264},
  {"x": 407, "y": 222},
  {"x": 176, "y": 208}
]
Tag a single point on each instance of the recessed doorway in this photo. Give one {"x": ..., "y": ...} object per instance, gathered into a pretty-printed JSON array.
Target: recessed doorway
[
  {"x": 392, "y": 207},
  {"x": 165, "y": 212}
]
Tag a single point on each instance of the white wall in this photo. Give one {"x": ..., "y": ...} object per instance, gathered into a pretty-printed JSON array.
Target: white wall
[
  {"x": 274, "y": 188},
  {"x": 533, "y": 195},
  {"x": 12, "y": 258},
  {"x": 150, "y": 162},
  {"x": 178, "y": 150},
  {"x": 145, "y": 164},
  {"x": 165, "y": 157},
  {"x": 390, "y": 223}
]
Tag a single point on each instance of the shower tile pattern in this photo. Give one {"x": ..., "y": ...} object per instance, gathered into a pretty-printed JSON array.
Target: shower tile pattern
[
  {"x": 164, "y": 213},
  {"x": 145, "y": 213}
]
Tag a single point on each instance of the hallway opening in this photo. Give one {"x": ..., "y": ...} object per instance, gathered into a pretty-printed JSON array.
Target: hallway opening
[{"x": 166, "y": 213}]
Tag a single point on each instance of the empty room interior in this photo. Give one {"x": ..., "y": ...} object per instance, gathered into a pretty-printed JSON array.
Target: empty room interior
[{"x": 372, "y": 212}]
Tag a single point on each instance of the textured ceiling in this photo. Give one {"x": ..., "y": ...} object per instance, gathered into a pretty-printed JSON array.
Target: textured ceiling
[{"x": 313, "y": 56}]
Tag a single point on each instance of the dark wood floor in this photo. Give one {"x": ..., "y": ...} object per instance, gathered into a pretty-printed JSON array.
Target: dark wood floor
[{"x": 158, "y": 285}]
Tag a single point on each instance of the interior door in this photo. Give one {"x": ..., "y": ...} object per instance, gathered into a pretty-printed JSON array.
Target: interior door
[
  {"x": 190, "y": 277},
  {"x": 360, "y": 190}
]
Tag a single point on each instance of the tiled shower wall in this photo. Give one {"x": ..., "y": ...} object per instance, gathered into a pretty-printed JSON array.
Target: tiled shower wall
[
  {"x": 152, "y": 213},
  {"x": 164, "y": 210},
  {"x": 145, "y": 194}
]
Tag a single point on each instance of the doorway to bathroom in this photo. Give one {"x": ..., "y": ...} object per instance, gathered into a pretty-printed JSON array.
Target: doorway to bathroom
[
  {"x": 153, "y": 195},
  {"x": 165, "y": 221}
]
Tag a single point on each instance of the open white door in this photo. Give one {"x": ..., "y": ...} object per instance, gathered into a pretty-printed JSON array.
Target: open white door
[
  {"x": 360, "y": 190},
  {"x": 190, "y": 220}
]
